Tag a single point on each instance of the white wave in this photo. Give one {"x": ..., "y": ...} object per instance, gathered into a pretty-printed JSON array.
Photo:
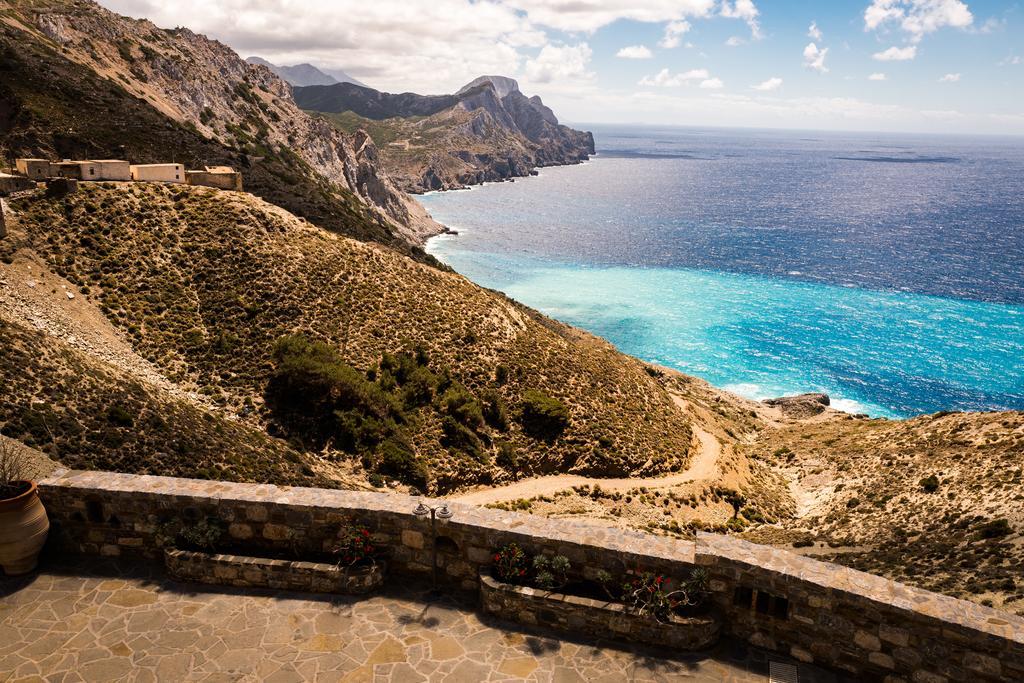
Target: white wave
[{"x": 847, "y": 405}]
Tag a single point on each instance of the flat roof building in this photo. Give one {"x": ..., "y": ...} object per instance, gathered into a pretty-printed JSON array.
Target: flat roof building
[
  {"x": 37, "y": 169},
  {"x": 14, "y": 183},
  {"x": 221, "y": 177},
  {"x": 112, "y": 169},
  {"x": 158, "y": 173}
]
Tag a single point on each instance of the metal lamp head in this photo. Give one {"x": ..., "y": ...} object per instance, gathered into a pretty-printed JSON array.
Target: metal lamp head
[
  {"x": 444, "y": 512},
  {"x": 421, "y": 510}
]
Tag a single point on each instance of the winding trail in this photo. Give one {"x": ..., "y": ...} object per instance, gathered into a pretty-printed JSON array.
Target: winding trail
[{"x": 704, "y": 466}]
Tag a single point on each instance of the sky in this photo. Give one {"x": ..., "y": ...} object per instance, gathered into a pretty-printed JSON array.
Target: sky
[{"x": 934, "y": 66}]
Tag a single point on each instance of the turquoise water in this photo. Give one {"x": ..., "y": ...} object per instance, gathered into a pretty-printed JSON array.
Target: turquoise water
[{"x": 885, "y": 351}]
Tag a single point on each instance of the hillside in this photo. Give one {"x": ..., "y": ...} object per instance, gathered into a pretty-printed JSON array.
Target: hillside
[
  {"x": 487, "y": 131},
  {"x": 936, "y": 501},
  {"x": 78, "y": 80},
  {"x": 452, "y": 384}
]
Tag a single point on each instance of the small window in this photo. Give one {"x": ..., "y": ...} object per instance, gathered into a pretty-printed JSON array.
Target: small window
[
  {"x": 743, "y": 596},
  {"x": 92, "y": 171},
  {"x": 763, "y": 604},
  {"x": 780, "y": 607}
]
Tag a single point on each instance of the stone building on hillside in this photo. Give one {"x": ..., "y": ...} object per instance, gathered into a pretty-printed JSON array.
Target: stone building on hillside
[
  {"x": 158, "y": 173},
  {"x": 36, "y": 169},
  {"x": 14, "y": 183},
  {"x": 220, "y": 177}
]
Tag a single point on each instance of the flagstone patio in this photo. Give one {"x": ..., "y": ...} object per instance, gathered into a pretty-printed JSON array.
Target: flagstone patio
[{"x": 103, "y": 621}]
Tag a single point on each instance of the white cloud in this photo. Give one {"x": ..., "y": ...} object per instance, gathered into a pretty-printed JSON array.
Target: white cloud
[
  {"x": 814, "y": 58},
  {"x": 878, "y": 77},
  {"x": 674, "y": 31},
  {"x": 950, "y": 78},
  {"x": 1014, "y": 60},
  {"x": 896, "y": 54},
  {"x": 666, "y": 79},
  {"x": 735, "y": 41},
  {"x": 634, "y": 52},
  {"x": 712, "y": 84},
  {"x": 431, "y": 47},
  {"x": 814, "y": 32},
  {"x": 559, "y": 63},
  {"x": 917, "y": 17},
  {"x": 588, "y": 16},
  {"x": 769, "y": 85},
  {"x": 745, "y": 10}
]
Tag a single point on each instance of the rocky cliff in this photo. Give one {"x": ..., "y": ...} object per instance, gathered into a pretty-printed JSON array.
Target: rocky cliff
[
  {"x": 206, "y": 87},
  {"x": 489, "y": 130}
]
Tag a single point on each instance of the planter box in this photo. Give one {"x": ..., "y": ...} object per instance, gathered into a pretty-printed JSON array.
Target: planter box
[
  {"x": 594, "y": 617},
  {"x": 246, "y": 572}
]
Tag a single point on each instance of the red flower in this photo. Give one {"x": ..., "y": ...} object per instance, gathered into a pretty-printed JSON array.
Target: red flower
[{"x": 497, "y": 557}]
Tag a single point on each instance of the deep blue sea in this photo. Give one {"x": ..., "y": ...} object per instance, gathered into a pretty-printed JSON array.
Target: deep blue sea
[{"x": 885, "y": 270}]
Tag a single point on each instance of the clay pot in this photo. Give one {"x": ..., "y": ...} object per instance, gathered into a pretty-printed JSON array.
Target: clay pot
[{"x": 23, "y": 530}]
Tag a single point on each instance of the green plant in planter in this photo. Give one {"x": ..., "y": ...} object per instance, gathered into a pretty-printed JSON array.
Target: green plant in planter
[
  {"x": 355, "y": 547},
  {"x": 510, "y": 564},
  {"x": 607, "y": 583},
  {"x": 551, "y": 573},
  {"x": 651, "y": 594}
]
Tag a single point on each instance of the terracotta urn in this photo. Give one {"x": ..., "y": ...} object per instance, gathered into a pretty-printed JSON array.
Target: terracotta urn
[{"x": 23, "y": 529}]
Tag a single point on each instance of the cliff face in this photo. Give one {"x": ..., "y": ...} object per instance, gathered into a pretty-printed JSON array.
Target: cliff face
[
  {"x": 487, "y": 131},
  {"x": 207, "y": 87}
]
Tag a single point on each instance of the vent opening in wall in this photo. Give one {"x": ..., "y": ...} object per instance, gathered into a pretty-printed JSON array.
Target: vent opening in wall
[{"x": 780, "y": 672}]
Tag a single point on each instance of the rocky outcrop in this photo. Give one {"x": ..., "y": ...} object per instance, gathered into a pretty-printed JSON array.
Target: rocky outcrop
[
  {"x": 487, "y": 131},
  {"x": 802, "y": 406},
  {"x": 204, "y": 84}
]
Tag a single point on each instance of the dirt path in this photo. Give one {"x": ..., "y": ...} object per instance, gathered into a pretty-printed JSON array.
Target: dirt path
[{"x": 703, "y": 466}]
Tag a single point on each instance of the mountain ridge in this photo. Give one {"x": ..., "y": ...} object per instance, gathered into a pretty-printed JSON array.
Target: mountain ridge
[
  {"x": 305, "y": 74},
  {"x": 204, "y": 86},
  {"x": 488, "y": 130}
]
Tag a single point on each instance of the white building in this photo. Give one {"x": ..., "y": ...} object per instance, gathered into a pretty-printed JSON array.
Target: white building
[
  {"x": 111, "y": 169},
  {"x": 158, "y": 173}
]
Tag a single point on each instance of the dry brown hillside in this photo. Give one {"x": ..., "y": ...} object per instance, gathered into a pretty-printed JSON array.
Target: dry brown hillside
[
  {"x": 203, "y": 284},
  {"x": 936, "y": 501}
]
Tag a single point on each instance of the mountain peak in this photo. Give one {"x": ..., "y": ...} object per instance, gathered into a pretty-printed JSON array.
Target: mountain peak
[
  {"x": 503, "y": 85},
  {"x": 305, "y": 74}
]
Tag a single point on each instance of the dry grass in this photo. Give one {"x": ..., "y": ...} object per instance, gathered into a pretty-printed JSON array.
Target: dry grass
[{"x": 202, "y": 284}]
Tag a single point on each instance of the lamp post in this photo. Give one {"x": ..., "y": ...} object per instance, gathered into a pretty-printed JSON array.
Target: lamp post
[{"x": 441, "y": 512}]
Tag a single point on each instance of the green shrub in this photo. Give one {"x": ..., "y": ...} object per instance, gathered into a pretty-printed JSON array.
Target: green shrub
[
  {"x": 542, "y": 416},
  {"x": 507, "y": 458},
  {"x": 495, "y": 412},
  {"x": 317, "y": 396},
  {"x": 119, "y": 416},
  {"x": 463, "y": 407},
  {"x": 995, "y": 528},
  {"x": 397, "y": 460},
  {"x": 458, "y": 437}
]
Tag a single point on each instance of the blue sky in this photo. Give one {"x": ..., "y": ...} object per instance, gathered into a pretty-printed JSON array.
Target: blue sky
[{"x": 953, "y": 65}]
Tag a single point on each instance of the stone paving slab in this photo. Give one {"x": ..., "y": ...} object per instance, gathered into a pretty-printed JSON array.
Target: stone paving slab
[{"x": 103, "y": 621}]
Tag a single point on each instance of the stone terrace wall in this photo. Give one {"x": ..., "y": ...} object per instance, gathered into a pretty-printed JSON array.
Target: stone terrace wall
[
  {"x": 846, "y": 619},
  {"x": 814, "y": 611}
]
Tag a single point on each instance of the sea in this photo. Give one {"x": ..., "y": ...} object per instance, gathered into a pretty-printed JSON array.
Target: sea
[{"x": 886, "y": 270}]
